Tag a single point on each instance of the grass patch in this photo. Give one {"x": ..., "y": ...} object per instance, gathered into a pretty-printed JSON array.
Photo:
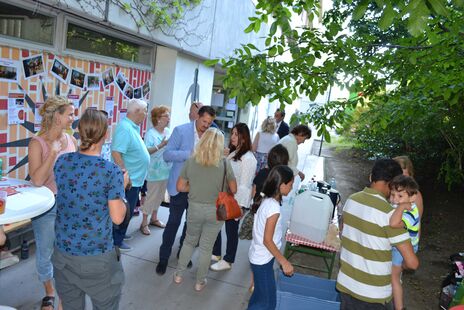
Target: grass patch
[{"x": 340, "y": 143}]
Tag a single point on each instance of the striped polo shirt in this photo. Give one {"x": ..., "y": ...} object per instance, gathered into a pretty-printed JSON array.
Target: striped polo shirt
[
  {"x": 411, "y": 220},
  {"x": 367, "y": 239}
]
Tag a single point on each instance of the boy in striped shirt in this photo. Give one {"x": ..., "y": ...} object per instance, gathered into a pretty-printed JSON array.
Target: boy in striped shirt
[
  {"x": 364, "y": 279},
  {"x": 403, "y": 197}
]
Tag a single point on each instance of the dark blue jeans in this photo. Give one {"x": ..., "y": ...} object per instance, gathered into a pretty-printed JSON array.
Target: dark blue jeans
[
  {"x": 120, "y": 230},
  {"x": 232, "y": 241},
  {"x": 177, "y": 205},
  {"x": 264, "y": 294}
]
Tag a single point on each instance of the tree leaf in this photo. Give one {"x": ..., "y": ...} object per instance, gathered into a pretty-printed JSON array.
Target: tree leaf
[
  {"x": 249, "y": 28},
  {"x": 273, "y": 51},
  {"x": 252, "y": 46},
  {"x": 257, "y": 26},
  {"x": 247, "y": 50},
  {"x": 273, "y": 29},
  {"x": 360, "y": 10},
  {"x": 210, "y": 62},
  {"x": 387, "y": 17},
  {"x": 439, "y": 7},
  {"x": 327, "y": 136}
]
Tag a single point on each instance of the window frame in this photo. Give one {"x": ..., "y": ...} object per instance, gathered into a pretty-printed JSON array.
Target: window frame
[
  {"x": 34, "y": 45},
  {"x": 101, "y": 58}
]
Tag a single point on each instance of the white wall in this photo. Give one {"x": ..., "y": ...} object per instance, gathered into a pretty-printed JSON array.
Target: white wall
[
  {"x": 184, "y": 74},
  {"x": 231, "y": 20},
  {"x": 162, "y": 83},
  {"x": 209, "y": 30}
]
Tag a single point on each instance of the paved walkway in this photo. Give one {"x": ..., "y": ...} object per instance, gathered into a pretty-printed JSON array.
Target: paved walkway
[{"x": 144, "y": 289}]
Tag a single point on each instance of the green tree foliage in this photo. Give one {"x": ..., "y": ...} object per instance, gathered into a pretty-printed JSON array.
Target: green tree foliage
[
  {"x": 153, "y": 13},
  {"x": 406, "y": 57}
]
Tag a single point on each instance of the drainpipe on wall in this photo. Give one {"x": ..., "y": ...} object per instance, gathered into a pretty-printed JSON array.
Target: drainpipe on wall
[{"x": 107, "y": 10}]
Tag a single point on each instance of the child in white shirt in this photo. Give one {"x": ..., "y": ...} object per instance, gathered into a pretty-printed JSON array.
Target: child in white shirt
[{"x": 267, "y": 238}]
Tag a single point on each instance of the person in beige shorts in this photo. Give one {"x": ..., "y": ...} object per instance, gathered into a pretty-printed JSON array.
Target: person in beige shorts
[{"x": 156, "y": 139}]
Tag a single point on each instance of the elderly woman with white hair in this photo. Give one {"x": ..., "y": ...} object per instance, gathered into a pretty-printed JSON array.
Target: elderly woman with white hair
[
  {"x": 130, "y": 153},
  {"x": 264, "y": 141}
]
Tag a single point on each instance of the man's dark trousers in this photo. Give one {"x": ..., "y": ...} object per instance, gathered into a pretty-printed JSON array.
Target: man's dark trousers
[
  {"x": 177, "y": 205},
  {"x": 119, "y": 231}
]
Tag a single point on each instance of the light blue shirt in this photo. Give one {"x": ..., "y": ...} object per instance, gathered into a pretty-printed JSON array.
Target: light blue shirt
[
  {"x": 158, "y": 169},
  {"x": 128, "y": 142}
]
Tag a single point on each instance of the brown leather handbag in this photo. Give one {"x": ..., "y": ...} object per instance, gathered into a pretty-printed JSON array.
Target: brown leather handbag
[{"x": 227, "y": 207}]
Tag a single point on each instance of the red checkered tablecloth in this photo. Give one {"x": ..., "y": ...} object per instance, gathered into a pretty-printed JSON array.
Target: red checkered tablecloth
[{"x": 292, "y": 238}]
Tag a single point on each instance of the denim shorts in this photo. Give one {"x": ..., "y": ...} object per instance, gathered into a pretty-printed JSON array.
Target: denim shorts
[{"x": 397, "y": 258}]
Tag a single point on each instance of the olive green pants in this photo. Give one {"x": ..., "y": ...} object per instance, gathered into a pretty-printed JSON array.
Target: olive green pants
[{"x": 202, "y": 229}]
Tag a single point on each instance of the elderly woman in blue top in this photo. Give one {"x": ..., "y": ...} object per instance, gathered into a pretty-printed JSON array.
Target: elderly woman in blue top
[
  {"x": 130, "y": 153},
  {"x": 156, "y": 139},
  {"x": 89, "y": 200}
]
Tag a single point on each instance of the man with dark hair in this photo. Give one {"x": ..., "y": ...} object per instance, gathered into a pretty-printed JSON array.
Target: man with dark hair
[
  {"x": 364, "y": 279},
  {"x": 179, "y": 148},
  {"x": 282, "y": 127},
  {"x": 298, "y": 136}
]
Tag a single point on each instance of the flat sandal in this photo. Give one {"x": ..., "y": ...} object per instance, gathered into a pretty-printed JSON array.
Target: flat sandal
[{"x": 145, "y": 230}]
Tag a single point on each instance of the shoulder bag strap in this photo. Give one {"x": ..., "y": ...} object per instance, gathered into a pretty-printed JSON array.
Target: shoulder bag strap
[{"x": 225, "y": 173}]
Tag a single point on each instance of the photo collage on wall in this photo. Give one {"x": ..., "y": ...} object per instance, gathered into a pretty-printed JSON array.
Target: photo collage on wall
[{"x": 34, "y": 66}]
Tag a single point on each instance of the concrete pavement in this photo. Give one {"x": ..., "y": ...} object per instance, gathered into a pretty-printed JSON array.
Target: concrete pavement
[{"x": 143, "y": 288}]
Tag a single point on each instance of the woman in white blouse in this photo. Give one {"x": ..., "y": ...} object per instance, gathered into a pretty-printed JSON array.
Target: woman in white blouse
[
  {"x": 264, "y": 141},
  {"x": 244, "y": 166}
]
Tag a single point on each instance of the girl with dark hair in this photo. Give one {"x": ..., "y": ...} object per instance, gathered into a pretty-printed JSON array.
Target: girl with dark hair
[
  {"x": 243, "y": 164},
  {"x": 277, "y": 156},
  {"x": 267, "y": 238}
]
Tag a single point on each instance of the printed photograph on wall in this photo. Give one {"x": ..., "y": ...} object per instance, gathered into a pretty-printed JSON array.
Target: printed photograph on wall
[
  {"x": 121, "y": 81},
  {"x": 16, "y": 109},
  {"x": 138, "y": 93},
  {"x": 129, "y": 91},
  {"x": 33, "y": 66},
  {"x": 77, "y": 79},
  {"x": 93, "y": 81},
  {"x": 109, "y": 108},
  {"x": 60, "y": 70},
  {"x": 146, "y": 89},
  {"x": 9, "y": 70},
  {"x": 107, "y": 77}
]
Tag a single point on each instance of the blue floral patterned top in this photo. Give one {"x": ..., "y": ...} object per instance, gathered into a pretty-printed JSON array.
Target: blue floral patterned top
[{"x": 85, "y": 184}]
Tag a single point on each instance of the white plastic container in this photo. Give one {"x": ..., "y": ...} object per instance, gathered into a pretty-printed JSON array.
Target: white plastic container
[{"x": 311, "y": 215}]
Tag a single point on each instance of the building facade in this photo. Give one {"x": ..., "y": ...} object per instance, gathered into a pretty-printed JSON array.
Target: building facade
[{"x": 100, "y": 55}]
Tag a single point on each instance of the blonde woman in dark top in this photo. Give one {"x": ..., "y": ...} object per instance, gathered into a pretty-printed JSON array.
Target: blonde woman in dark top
[{"x": 202, "y": 176}]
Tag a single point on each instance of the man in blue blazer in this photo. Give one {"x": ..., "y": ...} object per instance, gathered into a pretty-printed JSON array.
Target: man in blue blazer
[
  {"x": 179, "y": 148},
  {"x": 282, "y": 127}
]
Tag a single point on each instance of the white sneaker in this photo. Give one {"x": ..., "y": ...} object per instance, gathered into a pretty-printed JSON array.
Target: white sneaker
[
  {"x": 221, "y": 265},
  {"x": 215, "y": 258}
]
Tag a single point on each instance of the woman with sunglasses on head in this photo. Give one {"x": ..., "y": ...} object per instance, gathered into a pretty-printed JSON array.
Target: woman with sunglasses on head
[
  {"x": 44, "y": 149},
  {"x": 243, "y": 164},
  {"x": 90, "y": 199}
]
